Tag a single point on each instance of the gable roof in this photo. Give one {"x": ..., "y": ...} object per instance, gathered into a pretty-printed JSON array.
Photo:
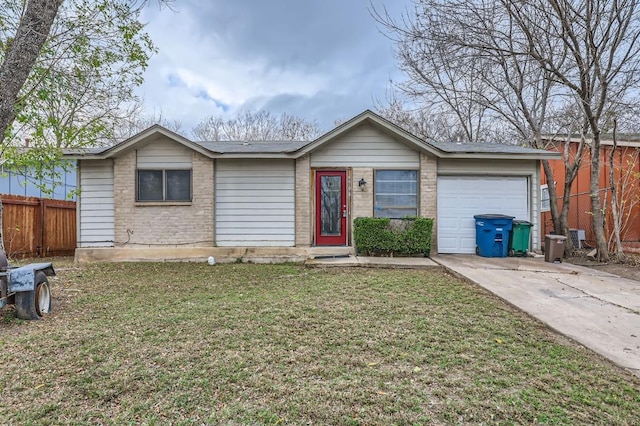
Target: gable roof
[
  {"x": 438, "y": 149},
  {"x": 297, "y": 149},
  {"x": 146, "y": 135},
  {"x": 380, "y": 123}
]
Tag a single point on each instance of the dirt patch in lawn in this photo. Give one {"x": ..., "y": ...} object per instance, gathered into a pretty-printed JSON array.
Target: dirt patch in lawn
[{"x": 629, "y": 267}]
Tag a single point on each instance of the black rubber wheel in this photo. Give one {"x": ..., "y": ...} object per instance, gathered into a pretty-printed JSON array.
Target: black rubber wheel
[{"x": 32, "y": 305}]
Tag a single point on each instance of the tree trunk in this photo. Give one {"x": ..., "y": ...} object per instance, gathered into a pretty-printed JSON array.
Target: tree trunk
[
  {"x": 23, "y": 52},
  {"x": 553, "y": 194},
  {"x": 564, "y": 219},
  {"x": 597, "y": 212},
  {"x": 560, "y": 216},
  {"x": 614, "y": 196},
  {"x": 1, "y": 227}
]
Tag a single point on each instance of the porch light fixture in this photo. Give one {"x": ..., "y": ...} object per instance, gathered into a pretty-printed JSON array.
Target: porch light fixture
[{"x": 362, "y": 184}]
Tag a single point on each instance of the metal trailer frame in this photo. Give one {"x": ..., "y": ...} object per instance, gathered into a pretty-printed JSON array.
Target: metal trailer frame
[{"x": 22, "y": 279}]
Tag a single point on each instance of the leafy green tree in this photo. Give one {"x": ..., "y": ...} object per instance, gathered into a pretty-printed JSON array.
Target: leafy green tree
[
  {"x": 68, "y": 69},
  {"x": 69, "y": 73},
  {"x": 23, "y": 36}
]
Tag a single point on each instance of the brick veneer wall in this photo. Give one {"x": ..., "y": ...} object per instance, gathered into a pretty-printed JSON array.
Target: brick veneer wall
[
  {"x": 429, "y": 193},
  {"x": 303, "y": 202},
  {"x": 157, "y": 224},
  {"x": 361, "y": 201}
]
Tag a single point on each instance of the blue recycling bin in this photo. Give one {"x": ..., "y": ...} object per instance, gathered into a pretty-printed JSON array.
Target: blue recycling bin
[{"x": 492, "y": 234}]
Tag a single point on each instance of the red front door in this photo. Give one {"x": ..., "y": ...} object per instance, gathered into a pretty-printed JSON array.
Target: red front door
[{"x": 331, "y": 208}]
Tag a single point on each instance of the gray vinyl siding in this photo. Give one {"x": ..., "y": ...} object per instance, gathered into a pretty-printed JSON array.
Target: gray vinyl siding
[
  {"x": 365, "y": 146},
  {"x": 494, "y": 167},
  {"x": 96, "y": 204},
  {"x": 486, "y": 167},
  {"x": 164, "y": 154},
  {"x": 255, "y": 203}
]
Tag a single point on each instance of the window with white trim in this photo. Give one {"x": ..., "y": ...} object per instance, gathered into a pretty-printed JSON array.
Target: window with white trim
[
  {"x": 163, "y": 185},
  {"x": 545, "y": 204},
  {"x": 395, "y": 193}
]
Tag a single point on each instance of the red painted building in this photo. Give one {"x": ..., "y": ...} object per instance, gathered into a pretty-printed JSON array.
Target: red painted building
[{"x": 626, "y": 177}]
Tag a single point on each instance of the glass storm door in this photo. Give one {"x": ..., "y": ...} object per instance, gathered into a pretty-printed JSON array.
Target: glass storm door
[{"x": 331, "y": 208}]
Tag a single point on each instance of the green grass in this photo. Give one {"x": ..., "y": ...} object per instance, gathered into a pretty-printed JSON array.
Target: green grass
[{"x": 191, "y": 344}]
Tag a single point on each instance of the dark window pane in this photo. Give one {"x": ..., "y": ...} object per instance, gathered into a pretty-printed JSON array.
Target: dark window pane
[
  {"x": 330, "y": 217},
  {"x": 149, "y": 185},
  {"x": 178, "y": 185}
]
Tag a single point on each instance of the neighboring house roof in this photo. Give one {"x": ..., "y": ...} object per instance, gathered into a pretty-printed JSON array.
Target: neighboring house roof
[
  {"x": 483, "y": 148},
  {"x": 296, "y": 149},
  {"x": 631, "y": 140}
]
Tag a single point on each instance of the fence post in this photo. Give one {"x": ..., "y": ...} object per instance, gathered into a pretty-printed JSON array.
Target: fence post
[{"x": 40, "y": 223}]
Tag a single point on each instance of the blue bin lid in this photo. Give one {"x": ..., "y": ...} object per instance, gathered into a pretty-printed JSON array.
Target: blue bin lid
[{"x": 492, "y": 216}]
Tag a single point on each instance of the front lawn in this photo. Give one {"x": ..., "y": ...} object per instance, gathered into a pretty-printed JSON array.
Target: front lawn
[{"x": 184, "y": 343}]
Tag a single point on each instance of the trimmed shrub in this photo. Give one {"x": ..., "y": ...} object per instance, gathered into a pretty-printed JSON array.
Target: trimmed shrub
[{"x": 392, "y": 237}]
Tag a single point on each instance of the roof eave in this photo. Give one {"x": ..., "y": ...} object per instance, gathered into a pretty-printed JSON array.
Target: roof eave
[
  {"x": 255, "y": 155},
  {"x": 77, "y": 156},
  {"x": 546, "y": 155}
]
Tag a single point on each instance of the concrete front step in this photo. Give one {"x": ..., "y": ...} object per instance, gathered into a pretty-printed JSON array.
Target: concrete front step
[
  {"x": 201, "y": 254},
  {"x": 374, "y": 262},
  {"x": 311, "y": 256}
]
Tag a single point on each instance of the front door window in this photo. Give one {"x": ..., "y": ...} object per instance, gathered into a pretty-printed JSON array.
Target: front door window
[
  {"x": 331, "y": 208},
  {"x": 331, "y": 211}
]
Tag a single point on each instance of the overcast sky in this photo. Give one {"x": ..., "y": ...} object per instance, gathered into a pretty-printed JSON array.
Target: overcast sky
[{"x": 321, "y": 60}]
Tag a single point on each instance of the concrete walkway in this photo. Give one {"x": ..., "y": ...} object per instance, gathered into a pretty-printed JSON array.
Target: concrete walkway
[{"x": 597, "y": 309}]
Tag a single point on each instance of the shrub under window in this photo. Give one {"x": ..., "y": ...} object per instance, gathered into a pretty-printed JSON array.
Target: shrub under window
[
  {"x": 396, "y": 193},
  {"x": 164, "y": 185}
]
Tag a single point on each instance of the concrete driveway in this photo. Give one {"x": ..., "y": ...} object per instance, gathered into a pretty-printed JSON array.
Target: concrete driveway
[{"x": 597, "y": 309}]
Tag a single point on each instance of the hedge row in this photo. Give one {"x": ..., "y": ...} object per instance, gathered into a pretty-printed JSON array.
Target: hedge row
[{"x": 392, "y": 237}]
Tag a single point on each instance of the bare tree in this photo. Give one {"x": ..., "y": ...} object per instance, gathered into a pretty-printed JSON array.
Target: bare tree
[
  {"x": 614, "y": 196},
  {"x": 604, "y": 57},
  {"x": 137, "y": 120},
  {"x": 440, "y": 78},
  {"x": 512, "y": 94},
  {"x": 541, "y": 51},
  {"x": 628, "y": 194},
  {"x": 256, "y": 126},
  {"x": 420, "y": 120}
]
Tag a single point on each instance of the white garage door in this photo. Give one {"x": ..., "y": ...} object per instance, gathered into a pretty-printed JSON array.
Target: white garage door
[
  {"x": 462, "y": 197},
  {"x": 255, "y": 203}
]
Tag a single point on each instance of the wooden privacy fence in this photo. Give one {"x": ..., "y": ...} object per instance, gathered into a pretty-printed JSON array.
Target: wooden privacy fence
[{"x": 38, "y": 227}]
